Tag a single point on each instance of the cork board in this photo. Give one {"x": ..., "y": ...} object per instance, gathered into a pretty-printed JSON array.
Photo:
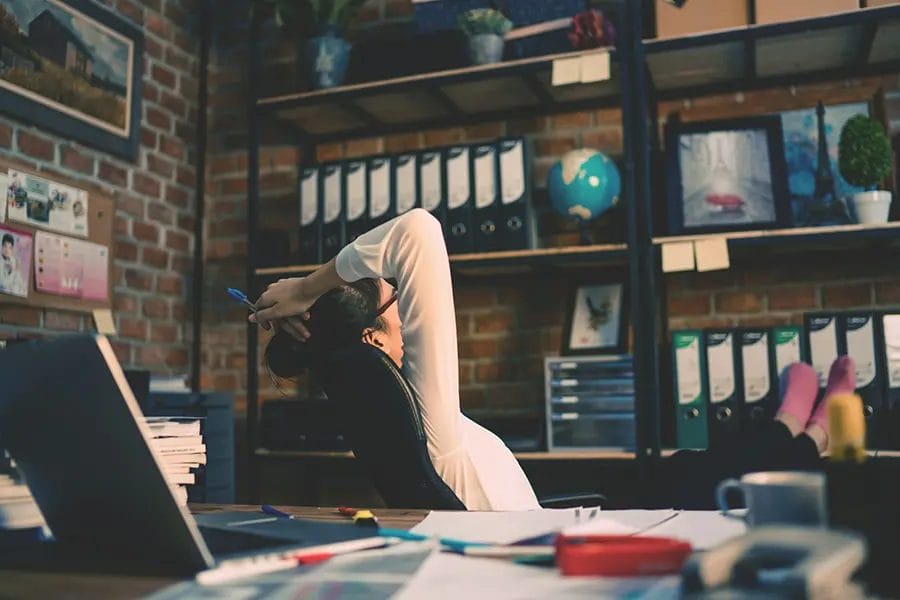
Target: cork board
[{"x": 101, "y": 217}]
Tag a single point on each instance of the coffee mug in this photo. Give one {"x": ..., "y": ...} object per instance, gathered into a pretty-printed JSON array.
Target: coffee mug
[{"x": 789, "y": 497}]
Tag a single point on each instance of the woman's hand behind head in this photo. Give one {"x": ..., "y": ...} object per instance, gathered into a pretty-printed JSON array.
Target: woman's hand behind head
[{"x": 282, "y": 300}]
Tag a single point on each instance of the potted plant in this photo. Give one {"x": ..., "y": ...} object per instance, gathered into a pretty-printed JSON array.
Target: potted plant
[
  {"x": 865, "y": 160},
  {"x": 485, "y": 29},
  {"x": 327, "y": 53}
]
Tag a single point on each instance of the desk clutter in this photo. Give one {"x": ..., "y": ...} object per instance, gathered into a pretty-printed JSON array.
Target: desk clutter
[
  {"x": 20, "y": 516},
  {"x": 180, "y": 446},
  {"x": 725, "y": 380},
  {"x": 481, "y": 194}
]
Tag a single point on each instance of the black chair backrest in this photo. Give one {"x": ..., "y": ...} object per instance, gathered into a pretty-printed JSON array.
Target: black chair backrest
[{"x": 382, "y": 422}]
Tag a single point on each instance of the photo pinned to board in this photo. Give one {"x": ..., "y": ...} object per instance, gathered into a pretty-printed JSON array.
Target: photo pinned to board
[
  {"x": 595, "y": 319},
  {"x": 42, "y": 203},
  {"x": 15, "y": 261}
]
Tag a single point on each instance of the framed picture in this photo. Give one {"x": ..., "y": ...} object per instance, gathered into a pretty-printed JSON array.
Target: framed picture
[
  {"x": 72, "y": 67},
  {"x": 595, "y": 319},
  {"x": 15, "y": 261},
  {"x": 726, "y": 175}
]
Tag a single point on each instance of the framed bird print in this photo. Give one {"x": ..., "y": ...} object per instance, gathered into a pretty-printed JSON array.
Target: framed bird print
[{"x": 595, "y": 319}]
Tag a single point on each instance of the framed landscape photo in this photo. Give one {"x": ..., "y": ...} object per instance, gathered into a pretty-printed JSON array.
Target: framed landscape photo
[
  {"x": 72, "y": 67},
  {"x": 596, "y": 319},
  {"x": 726, "y": 176}
]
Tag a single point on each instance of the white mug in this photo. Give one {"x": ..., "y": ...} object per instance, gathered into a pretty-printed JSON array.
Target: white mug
[{"x": 788, "y": 497}]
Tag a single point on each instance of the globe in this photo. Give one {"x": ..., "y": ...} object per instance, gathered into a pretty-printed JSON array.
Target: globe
[{"x": 584, "y": 184}]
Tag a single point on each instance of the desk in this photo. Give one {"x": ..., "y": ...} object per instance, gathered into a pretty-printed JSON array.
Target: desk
[{"x": 20, "y": 583}]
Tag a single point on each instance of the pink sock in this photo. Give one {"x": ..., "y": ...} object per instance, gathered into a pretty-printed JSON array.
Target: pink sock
[
  {"x": 800, "y": 389},
  {"x": 841, "y": 380}
]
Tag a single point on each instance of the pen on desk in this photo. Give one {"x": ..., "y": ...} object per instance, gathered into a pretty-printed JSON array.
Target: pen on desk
[
  {"x": 271, "y": 510},
  {"x": 241, "y": 297}
]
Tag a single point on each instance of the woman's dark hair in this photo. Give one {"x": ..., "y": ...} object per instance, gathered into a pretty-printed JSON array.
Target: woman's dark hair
[{"x": 338, "y": 318}]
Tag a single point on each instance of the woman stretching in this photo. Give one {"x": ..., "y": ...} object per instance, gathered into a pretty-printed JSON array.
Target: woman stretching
[{"x": 348, "y": 299}]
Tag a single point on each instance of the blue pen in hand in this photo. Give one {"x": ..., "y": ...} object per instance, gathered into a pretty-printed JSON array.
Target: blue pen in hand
[
  {"x": 241, "y": 297},
  {"x": 271, "y": 510}
]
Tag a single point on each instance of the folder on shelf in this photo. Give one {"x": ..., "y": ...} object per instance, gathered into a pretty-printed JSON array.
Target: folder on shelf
[
  {"x": 690, "y": 385},
  {"x": 355, "y": 199},
  {"x": 722, "y": 415},
  {"x": 381, "y": 192},
  {"x": 788, "y": 347},
  {"x": 332, "y": 210},
  {"x": 890, "y": 364},
  {"x": 405, "y": 183},
  {"x": 758, "y": 383},
  {"x": 861, "y": 333},
  {"x": 431, "y": 184},
  {"x": 822, "y": 343},
  {"x": 458, "y": 183},
  {"x": 518, "y": 225},
  {"x": 310, "y": 222},
  {"x": 487, "y": 198}
]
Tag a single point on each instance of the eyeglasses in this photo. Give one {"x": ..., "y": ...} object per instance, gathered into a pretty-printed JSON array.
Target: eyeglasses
[{"x": 387, "y": 304}]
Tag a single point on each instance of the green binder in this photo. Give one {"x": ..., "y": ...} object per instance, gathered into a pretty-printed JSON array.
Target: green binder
[{"x": 690, "y": 387}]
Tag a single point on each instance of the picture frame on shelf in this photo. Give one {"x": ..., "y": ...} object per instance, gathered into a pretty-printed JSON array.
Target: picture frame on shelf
[
  {"x": 596, "y": 318},
  {"x": 74, "y": 68},
  {"x": 726, "y": 175}
]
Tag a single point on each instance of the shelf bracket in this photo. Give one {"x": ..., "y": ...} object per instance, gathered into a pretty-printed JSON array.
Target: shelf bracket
[
  {"x": 869, "y": 31},
  {"x": 368, "y": 119},
  {"x": 544, "y": 97},
  {"x": 446, "y": 102}
]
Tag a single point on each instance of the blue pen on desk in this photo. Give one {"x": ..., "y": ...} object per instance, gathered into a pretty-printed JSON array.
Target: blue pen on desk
[
  {"x": 271, "y": 510},
  {"x": 241, "y": 297}
]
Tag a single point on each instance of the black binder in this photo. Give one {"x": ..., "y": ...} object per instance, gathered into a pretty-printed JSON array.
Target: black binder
[
  {"x": 757, "y": 380},
  {"x": 405, "y": 183},
  {"x": 381, "y": 193},
  {"x": 862, "y": 341},
  {"x": 431, "y": 184},
  {"x": 487, "y": 197},
  {"x": 723, "y": 415},
  {"x": 310, "y": 221},
  {"x": 356, "y": 203},
  {"x": 458, "y": 192},
  {"x": 332, "y": 194},
  {"x": 823, "y": 343},
  {"x": 518, "y": 225}
]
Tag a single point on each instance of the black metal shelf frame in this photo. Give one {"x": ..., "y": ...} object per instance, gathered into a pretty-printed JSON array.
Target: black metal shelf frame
[{"x": 644, "y": 74}]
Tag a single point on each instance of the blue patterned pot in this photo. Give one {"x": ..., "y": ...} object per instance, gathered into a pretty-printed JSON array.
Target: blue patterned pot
[
  {"x": 485, "y": 48},
  {"x": 327, "y": 57}
]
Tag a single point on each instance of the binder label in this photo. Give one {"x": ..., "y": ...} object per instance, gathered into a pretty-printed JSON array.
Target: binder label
[
  {"x": 861, "y": 348},
  {"x": 687, "y": 359},
  {"x": 892, "y": 348},
  {"x": 379, "y": 188},
  {"x": 787, "y": 348},
  {"x": 755, "y": 357},
  {"x": 332, "y": 194},
  {"x": 309, "y": 196},
  {"x": 720, "y": 361},
  {"x": 356, "y": 191},
  {"x": 485, "y": 184},
  {"x": 822, "y": 346},
  {"x": 430, "y": 187},
  {"x": 457, "y": 177},
  {"x": 406, "y": 183},
  {"x": 512, "y": 168}
]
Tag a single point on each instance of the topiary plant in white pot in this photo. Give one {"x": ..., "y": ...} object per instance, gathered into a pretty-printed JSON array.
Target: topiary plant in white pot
[{"x": 865, "y": 160}]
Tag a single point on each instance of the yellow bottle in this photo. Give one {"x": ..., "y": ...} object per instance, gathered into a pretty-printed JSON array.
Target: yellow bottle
[{"x": 846, "y": 428}]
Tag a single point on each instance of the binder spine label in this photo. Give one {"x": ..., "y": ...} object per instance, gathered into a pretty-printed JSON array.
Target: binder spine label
[
  {"x": 512, "y": 165},
  {"x": 406, "y": 183},
  {"x": 458, "y": 177},
  {"x": 687, "y": 365},
  {"x": 309, "y": 197},
  {"x": 861, "y": 347},
  {"x": 430, "y": 186},
  {"x": 823, "y": 348},
  {"x": 787, "y": 348},
  {"x": 755, "y": 360},
  {"x": 720, "y": 363},
  {"x": 379, "y": 188},
  {"x": 892, "y": 349},
  {"x": 485, "y": 182},
  {"x": 356, "y": 191},
  {"x": 332, "y": 194}
]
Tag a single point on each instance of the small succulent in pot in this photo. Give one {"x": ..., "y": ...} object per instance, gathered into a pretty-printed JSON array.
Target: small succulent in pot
[
  {"x": 485, "y": 29},
  {"x": 864, "y": 158}
]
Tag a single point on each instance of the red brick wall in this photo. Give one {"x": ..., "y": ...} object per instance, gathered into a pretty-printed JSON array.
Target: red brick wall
[
  {"x": 154, "y": 216},
  {"x": 508, "y": 324}
]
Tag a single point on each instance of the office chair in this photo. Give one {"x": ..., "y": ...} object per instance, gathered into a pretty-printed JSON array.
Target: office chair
[{"x": 382, "y": 422}]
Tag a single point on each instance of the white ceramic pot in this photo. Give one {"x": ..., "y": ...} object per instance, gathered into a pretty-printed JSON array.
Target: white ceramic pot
[{"x": 872, "y": 207}]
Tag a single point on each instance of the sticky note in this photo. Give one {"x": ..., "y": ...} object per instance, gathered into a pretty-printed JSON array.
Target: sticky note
[
  {"x": 566, "y": 71},
  {"x": 103, "y": 319},
  {"x": 677, "y": 256},
  {"x": 712, "y": 254},
  {"x": 595, "y": 67}
]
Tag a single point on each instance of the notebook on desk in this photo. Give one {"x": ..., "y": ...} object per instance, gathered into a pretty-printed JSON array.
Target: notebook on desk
[{"x": 70, "y": 420}]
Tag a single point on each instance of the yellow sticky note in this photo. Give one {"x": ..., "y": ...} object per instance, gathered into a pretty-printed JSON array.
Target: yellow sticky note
[
  {"x": 677, "y": 256},
  {"x": 595, "y": 67},
  {"x": 103, "y": 319},
  {"x": 712, "y": 254},
  {"x": 566, "y": 71}
]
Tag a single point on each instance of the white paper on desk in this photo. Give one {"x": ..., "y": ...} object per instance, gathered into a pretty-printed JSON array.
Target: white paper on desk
[
  {"x": 622, "y": 522},
  {"x": 453, "y": 576},
  {"x": 704, "y": 529},
  {"x": 501, "y": 527}
]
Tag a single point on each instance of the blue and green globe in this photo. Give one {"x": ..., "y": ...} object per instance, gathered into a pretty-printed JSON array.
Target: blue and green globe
[{"x": 584, "y": 184}]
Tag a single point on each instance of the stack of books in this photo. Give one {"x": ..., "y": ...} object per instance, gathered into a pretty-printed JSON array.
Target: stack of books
[
  {"x": 179, "y": 443},
  {"x": 18, "y": 510}
]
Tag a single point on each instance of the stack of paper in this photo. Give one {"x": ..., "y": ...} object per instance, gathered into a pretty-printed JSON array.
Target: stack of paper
[
  {"x": 179, "y": 443},
  {"x": 18, "y": 509}
]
